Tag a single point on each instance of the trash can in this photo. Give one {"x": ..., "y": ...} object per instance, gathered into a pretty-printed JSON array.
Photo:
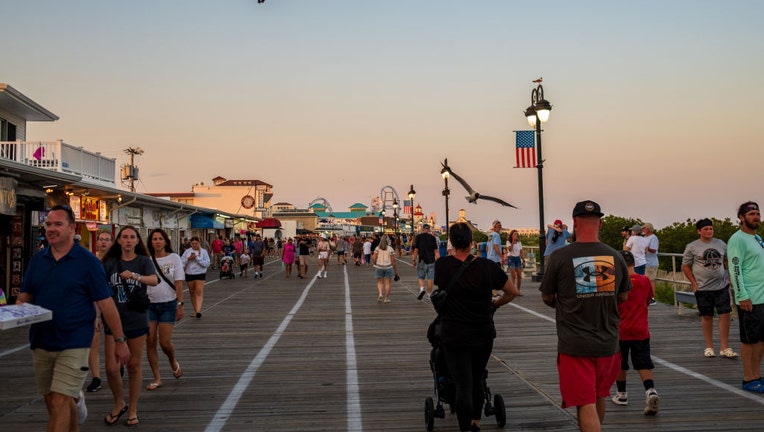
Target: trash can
[
  {"x": 482, "y": 250},
  {"x": 442, "y": 249}
]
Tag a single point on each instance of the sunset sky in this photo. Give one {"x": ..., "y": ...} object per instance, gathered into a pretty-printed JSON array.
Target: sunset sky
[{"x": 656, "y": 104}]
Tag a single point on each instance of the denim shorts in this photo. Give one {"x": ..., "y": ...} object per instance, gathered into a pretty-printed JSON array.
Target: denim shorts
[
  {"x": 386, "y": 273},
  {"x": 163, "y": 312},
  {"x": 425, "y": 271},
  {"x": 514, "y": 262}
]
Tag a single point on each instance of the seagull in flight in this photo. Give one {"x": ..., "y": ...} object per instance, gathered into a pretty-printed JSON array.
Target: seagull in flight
[{"x": 474, "y": 196}]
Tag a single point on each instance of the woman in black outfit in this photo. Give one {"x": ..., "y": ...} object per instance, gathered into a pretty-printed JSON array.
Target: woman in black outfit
[{"x": 467, "y": 330}]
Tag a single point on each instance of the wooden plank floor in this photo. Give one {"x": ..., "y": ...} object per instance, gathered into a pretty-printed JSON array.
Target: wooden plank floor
[{"x": 278, "y": 354}]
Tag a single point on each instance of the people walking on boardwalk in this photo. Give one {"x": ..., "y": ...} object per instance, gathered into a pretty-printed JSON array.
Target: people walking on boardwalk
[
  {"x": 304, "y": 249},
  {"x": 493, "y": 245},
  {"x": 634, "y": 339},
  {"x": 357, "y": 247},
  {"x": 425, "y": 252},
  {"x": 257, "y": 251},
  {"x": 467, "y": 329},
  {"x": 705, "y": 265},
  {"x": 342, "y": 249},
  {"x": 103, "y": 243},
  {"x": 244, "y": 260},
  {"x": 287, "y": 256},
  {"x": 60, "y": 346},
  {"x": 745, "y": 251},
  {"x": 637, "y": 245},
  {"x": 322, "y": 250},
  {"x": 129, "y": 270},
  {"x": 367, "y": 248},
  {"x": 557, "y": 235},
  {"x": 651, "y": 254},
  {"x": 515, "y": 259},
  {"x": 385, "y": 268},
  {"x": 195, "y": 262},
  {"x": 166, "y": 305},
  {"x": 217, "y": 251},
  {"x": 586, "y": 311}
]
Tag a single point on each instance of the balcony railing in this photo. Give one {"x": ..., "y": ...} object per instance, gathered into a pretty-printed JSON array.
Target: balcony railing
[{"x": 61, "y": 157}]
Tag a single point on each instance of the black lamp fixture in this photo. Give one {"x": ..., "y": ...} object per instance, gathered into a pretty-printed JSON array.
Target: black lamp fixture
[{"x": 537, "y": 114}]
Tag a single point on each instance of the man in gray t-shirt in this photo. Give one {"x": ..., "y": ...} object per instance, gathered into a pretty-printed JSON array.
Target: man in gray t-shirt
[{"x": 705, "y": 266}]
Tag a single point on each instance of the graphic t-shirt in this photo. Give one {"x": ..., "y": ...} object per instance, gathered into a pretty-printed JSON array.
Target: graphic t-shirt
[
  {"x": 586, "y": 279},
  {"x": 172, "y": 268},
  {"x": 141, "y": 264},
  {"x": 746, "y": 265},
  {"x": 706, "y": 260}
]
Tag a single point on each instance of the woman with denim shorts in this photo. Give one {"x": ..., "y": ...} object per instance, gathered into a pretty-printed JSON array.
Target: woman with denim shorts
[
  {"x": 384, "y": 268},
  {"x": 515, "y": 258},
  {"x": 166, "y": 305},
  {"x": 130, "y": 270}
]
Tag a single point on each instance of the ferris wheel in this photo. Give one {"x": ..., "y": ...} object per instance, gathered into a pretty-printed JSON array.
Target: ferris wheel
[
  {"x": 323, "y": 202},
  {"x": 389, "y": 195}
]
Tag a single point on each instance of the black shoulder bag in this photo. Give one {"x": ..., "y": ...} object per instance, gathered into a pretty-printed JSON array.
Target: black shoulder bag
[
  {"x": 440, "y": 296},
  {"x": 137, "y": 298},
  {"x": 161, "y": 273}
]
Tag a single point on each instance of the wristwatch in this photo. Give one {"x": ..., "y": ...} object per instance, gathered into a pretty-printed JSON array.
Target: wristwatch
[
  {"x": 180, "y": 303},
  {"x": 121, "y": 339}
]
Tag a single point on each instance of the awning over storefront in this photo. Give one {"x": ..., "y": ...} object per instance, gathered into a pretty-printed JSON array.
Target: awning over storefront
[
  {"x": 269, "y": 223},
  {"x": 201, "y": 221}
]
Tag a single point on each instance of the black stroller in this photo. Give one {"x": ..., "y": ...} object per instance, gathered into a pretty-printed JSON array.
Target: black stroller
[
  {"x": 226, "y": 267},
  {"x": 445, "y": 391}
]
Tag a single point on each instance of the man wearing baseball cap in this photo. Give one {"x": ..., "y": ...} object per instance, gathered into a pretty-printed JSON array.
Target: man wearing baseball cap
[
  {"x": 584, "y": 282},
  {"x": 745, "y": 252},
  {"x": 423, "y": 259}
]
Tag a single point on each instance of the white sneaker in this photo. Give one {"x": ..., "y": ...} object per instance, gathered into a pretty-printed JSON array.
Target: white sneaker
[
  {"x": 621, "y": 398},
  {"x": 82, "y": 409},
  {"x": 652, "y": 402},
  {"x": 324, "y": 274}
]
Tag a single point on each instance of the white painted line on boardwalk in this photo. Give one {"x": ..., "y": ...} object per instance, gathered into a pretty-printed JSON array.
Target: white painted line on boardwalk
[
  {"x": 354, "y": 398},
  {"x": 716, "y": 383},
  {"x": 225, "y": 410}
]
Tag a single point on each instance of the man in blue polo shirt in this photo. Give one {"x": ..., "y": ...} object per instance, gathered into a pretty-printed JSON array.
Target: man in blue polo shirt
[{"x": 67, "y": 279}]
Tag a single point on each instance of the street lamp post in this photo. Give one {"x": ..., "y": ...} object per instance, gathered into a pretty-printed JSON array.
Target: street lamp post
[
  {"x": 445, "y": 172},
  {"x": 395, "y": 217},
  {"x": 536, "y": 114},
  {"x": 412, "y": 194},
  {"x": 382, "y": 219}
]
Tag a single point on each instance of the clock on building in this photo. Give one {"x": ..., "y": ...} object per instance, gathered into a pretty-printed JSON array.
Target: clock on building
[{"x": 248, "y": 201}]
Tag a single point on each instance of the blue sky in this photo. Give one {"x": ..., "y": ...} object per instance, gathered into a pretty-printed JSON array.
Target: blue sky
[{"x": 656, "y": 104}]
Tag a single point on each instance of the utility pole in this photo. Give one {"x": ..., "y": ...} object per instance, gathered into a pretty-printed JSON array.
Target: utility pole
[{"x": 130, "y": 172}]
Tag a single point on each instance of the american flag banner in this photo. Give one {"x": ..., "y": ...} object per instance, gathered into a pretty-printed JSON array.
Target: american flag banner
[
  {"x": 408, "y": 206},
  {"x": 525, "y": 149}
]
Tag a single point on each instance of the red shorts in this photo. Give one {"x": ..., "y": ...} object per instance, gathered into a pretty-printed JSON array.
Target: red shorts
[{"x": 584, "y": 379}]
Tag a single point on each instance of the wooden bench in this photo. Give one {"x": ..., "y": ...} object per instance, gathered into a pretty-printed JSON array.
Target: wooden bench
[{"x": 683, "y": 297}]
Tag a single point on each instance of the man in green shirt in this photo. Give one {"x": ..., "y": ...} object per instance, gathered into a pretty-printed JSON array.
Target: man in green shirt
[{"x": 745, "y": 252}]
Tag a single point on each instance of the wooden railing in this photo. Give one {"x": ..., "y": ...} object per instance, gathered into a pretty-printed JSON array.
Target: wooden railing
[{"x": 61, "y": 157}]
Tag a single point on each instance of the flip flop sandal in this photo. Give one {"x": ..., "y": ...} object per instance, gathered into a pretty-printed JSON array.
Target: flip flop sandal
[
  {"x": 132, "y": 421},
  {"x": 178, "y": 372},
  {"x": 112, "y": 419},
  {"x": 153, "y": 386}
]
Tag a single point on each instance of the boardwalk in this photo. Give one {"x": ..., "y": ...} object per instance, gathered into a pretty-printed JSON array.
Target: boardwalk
[{"x": 322, "y": 355}]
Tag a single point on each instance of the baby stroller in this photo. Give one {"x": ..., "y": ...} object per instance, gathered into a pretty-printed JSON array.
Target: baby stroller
[
  {"x": 445, "y": 390},
  {"x": 226, "y": 267}
]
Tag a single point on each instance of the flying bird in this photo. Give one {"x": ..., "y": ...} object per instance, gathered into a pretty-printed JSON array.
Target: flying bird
[
  {"x": 474, "y": 196},
  {"x": 538, "y": 81}
]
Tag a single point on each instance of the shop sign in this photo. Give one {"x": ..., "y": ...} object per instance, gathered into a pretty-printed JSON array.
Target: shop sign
[
  {"x": 8, "y": 196},
  {"x": 89, "y": 208},
  {"x": 103, "y": 211},
  {"x": 75, "y": 202}
]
